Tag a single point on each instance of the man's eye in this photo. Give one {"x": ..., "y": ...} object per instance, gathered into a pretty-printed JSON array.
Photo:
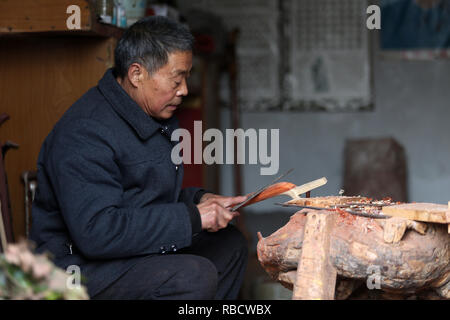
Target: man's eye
[{"x": 177, "y": 83}]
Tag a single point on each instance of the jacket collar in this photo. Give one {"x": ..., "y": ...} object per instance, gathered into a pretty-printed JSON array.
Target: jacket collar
[{"x": 144, "y": 125}]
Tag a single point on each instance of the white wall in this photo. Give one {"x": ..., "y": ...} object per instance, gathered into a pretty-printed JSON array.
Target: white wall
[{"x": 412, "y": 104}]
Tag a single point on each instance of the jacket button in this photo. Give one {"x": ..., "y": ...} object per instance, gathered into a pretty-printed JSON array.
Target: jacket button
[
  {"x": 176, "y": 168},
  {"x": 162, "y": 250},
  {"x": 174, "y": 248},
  {"x": 69, "y": 245}
]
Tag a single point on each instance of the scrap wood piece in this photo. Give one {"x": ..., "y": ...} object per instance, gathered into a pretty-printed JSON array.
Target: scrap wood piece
[
  {"x": 287, "y": 279},
  {"x": 3, "y": 241},
  {"x": 395, "y": 228},
  {"x": 426, "y": 212},
  {"x": 295, "y": 193},
  {"x": 344, "y": 287},
  {"x": 316, "y": 276}
]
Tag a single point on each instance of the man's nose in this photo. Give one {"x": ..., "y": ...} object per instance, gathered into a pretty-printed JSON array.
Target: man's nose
[{"x": 183, "y": 91}]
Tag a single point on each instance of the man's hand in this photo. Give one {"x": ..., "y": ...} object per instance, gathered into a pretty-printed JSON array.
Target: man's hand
[{"x": 215, "y": 211}]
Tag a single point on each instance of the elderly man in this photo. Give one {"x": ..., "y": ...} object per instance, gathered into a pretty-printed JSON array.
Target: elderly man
[{"x": 109, "y": 197}]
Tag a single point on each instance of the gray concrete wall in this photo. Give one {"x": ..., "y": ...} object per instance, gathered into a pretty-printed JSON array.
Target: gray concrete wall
[{"x": 412, "y": 104}]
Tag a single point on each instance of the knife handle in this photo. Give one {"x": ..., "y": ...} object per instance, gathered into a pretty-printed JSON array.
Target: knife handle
[{"x": 271, "y": 191}]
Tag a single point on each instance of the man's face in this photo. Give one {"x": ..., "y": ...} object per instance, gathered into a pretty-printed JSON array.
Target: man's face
[{"x": 161, "y": 93}]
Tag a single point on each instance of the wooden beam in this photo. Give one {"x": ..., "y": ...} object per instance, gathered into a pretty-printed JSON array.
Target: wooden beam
[{"x": 316, "y": 276}]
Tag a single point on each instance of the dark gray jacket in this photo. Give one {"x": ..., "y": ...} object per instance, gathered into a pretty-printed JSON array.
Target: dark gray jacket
[{"x": 108, "y": 192}]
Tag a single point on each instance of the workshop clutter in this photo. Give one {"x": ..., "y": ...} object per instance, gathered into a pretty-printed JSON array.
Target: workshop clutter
[
  {"x": 123, "y": 13},
  {"x": 134, "y": 10}
]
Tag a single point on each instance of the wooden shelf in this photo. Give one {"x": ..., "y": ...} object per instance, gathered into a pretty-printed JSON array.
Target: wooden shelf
[
  {"x": 48, "y": 17},
  {"x": 60, "y": 66}
]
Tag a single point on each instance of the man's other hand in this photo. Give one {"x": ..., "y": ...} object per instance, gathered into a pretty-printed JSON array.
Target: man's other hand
[{"x": 215, "y": 210}]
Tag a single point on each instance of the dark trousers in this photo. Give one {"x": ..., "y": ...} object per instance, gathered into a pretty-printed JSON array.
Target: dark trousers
[{"x": 212, "y": 267}]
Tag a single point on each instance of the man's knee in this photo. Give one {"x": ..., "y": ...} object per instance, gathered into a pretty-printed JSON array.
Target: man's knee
[
  {"x": 196, "y": 279},
  {"x": 203, "y": 277}
]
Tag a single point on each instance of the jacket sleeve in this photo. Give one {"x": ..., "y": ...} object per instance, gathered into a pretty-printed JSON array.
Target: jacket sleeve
[
  {"x": 86, "y": 180},
  {"x": 191, "y": 197}
]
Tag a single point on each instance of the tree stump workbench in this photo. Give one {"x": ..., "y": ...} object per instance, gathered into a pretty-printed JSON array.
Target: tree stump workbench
[{"x": 322, "y": 254}]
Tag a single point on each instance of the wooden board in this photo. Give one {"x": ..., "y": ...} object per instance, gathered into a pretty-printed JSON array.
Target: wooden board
[
  {"x": 427, "y": 212},
  {"x": 316, "y": 276}
]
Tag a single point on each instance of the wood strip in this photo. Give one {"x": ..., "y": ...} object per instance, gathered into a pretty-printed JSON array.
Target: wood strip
[
  {"x": 2, "y": 232},
  {"x": 316, "y": 277},
  {"x": 426, "y": 212},
  {"x": 297, "y": 191}
]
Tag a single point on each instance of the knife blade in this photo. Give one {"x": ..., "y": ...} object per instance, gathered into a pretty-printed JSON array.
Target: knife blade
[{"x": 260, "y": 190}]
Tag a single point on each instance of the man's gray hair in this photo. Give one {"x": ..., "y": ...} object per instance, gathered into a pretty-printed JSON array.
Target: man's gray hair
[{"x": 149, "y": 42}]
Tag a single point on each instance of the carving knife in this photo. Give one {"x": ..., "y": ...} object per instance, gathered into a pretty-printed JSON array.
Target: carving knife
[
  {"x": 255, "y": 194},
  {"x": 281, "y": 188}
]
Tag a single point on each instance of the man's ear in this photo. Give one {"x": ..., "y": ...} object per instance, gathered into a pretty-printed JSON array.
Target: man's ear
[{"x": 136, "y": 74}]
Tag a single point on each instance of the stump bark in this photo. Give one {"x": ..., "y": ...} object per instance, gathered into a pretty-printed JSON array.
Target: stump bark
[{"x": 358, "y": 252}]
